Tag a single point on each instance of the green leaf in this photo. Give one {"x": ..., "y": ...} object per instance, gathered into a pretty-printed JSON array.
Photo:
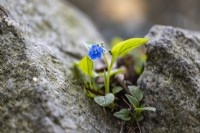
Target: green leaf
[
  {"x": 104, "y": 100},
  {"x": 123, "y": 114},
  {"x": 133, "y": 101},
  {"x": 136, "y": 92},
  {"x": 145, "y": 109},
  {"x": 117, "y": 89},
  {"x": 112, "y": 72},
  {"x": 124, "y": 47},
  {"x": 86, "y": 66}
]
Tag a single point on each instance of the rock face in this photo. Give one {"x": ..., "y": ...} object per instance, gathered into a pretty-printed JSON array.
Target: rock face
[
  {"x": 171, "y": 81},
  {"x": 39, "y": 41}
]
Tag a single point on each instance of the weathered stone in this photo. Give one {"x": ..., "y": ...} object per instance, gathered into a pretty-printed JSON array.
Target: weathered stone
[
  {"x": 39, "y": 41},
  {"x": 171, "y": 81}
]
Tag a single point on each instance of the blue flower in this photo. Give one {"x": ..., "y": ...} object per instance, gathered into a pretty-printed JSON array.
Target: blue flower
[{"x": 95, "y": 52}]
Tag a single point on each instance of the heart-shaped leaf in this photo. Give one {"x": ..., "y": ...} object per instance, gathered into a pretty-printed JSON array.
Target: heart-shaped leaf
[
  {"x": 86, "y": 66},
  {"x": 136, "y": 92},
  {"x": 123, "y": 114},
  {"x": 104, "y": 100}
]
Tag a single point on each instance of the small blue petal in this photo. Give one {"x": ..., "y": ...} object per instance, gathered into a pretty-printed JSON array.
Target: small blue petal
[
  {"x": 99, "y": 55},
  {"x": 93, "y": 57},
  {"x": 94, "y": 47},
  {"x": 90, "y": 53},
  {"x": 95, "y": 52},
  {"x": 100, "y": 49}
]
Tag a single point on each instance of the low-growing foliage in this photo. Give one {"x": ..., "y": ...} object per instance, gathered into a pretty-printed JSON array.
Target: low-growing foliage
[{"x": 124, "y": 99}]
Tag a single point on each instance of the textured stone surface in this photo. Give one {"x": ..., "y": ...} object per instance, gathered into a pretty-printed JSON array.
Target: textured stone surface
[
  {"x": 171, "y": 81},
  {"x": 39, "y": 41}
]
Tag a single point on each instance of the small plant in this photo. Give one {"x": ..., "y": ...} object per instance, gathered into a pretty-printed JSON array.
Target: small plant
[
  {"x": 106, "y": 95},
  {"x": 135, "y": 109}
]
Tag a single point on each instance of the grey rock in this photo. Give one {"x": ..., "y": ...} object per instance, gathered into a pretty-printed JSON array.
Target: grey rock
[
  {"x": 171, "y": 81},
  {"x": 39, "y": 41}
]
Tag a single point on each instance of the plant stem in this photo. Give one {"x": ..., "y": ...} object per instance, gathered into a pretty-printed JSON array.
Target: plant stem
[
  {"x": 94, "y": 84},
  {"x": 108, "y": 76},
  {"x": 107, "y": 83},
  {"x": 106, "y": 60},
  {"x": 85, "y": 81},
  {"x": 89, "y": 80},
  {"x": 106, "y": 79}
]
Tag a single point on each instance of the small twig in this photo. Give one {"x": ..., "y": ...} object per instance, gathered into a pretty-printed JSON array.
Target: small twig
[
  {"x": 138, "y": 124},
  {"x": 127, "y": 103},
  {"x": 122, "y": 127},
  {"x": 104, "y": 110}
]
